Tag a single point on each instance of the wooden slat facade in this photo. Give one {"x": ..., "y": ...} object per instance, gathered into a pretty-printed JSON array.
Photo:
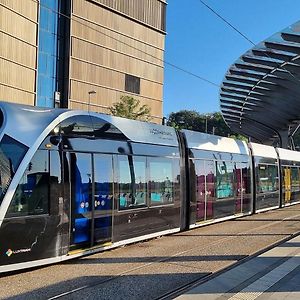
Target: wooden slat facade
[
  {"x": 106, "y": 45},
  {"x": 149, "y": 12},
  {"x": 109, "y": 40},
  {"x": 18, "y": 50}
]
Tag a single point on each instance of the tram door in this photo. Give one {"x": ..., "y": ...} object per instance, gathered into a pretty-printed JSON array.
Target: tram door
[
  {"x": 243, "y": 188},
  {"x": 89, "y": 224},
  {"x": 205, "y": 190}
]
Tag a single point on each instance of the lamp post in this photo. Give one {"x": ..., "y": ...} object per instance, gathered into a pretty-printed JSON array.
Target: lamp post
[{"x": 90, "y": 93}]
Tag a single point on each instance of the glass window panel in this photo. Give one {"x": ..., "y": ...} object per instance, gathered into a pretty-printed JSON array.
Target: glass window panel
[
  {"x": 43, "y": 23},
  {"x": 47, "y": 59},
  {"x": 124, "y": 182},
  {"x": 295, "y": 179},
  {"x": 224, "y": 180},
  {"x": 81, "y": 183},
  {"x": 267, "y": 178},
  {"x": 11, "y": 155},
  {"x": 103, "y": 180},
  {"x": 41, "y": 101},
  {"x": 161, "y": 181},
  {"x": 32, "y": 194},
  {"x": 132, "y": 181},
  {"x": 295, "y": 184},
  {"x": 42, "y": 63},
  {"x": 200, "y": 189},
  {"x": 140, "y": 180}
]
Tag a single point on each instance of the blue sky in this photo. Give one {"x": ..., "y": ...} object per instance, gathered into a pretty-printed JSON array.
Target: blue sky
[{"x": 199, "y": 42}]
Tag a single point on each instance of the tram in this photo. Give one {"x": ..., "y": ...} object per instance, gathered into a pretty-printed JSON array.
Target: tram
[{"x": 74, "y": 182}]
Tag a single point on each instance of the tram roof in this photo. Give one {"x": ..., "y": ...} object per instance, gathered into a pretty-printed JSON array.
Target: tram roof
[
  {"x": 203, "y": 141},
  {"x": 27, "y": 123},
  {"x": 259, "y": 96}
]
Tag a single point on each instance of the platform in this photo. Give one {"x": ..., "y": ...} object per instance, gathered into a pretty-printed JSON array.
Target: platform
[{"x": 274, "y": 275}]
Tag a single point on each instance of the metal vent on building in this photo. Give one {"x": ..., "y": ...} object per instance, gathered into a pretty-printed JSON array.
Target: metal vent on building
[{"x": 132, "y": 84}]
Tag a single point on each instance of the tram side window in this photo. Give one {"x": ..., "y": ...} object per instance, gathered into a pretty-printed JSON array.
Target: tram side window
[
  {"x": 161, "y": 183},
  {"x": 11, "y": 154},
  {"x": 32, "y": 194},
  {"x": 295, "y": 179},
  {"x": 267, "y": 178},
  {"x": 224, "y": 179},
  {"x": 131, "y": 181}
]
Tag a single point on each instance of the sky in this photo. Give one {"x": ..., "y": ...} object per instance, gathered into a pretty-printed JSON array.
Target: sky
[{"x": 201, "y": 43}]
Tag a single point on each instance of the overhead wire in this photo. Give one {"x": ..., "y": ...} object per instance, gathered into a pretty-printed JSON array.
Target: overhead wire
[
  {"x": 127, "y": 44},
  {"x": 241, "y": 34}
]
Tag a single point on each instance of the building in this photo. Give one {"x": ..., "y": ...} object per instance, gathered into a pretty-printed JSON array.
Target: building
[{"x": 82, "y": 54}]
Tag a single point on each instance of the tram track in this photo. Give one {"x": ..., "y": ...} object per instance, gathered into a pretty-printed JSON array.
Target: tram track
[{"x": 201, "y": 279}]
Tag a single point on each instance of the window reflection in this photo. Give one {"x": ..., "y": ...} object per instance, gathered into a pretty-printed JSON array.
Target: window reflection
[
  {"x": 136, "y": 183},
  {"x": 47, "y": 55},
  {"x": 32, "y": 194},
  {"x": 267, "y": 178},
  {"x": 11, "y": 154},
  {"x": 161, "y": 183},
  {"x": 131, "y": 181},
  {"x": 224, "y": 179}
]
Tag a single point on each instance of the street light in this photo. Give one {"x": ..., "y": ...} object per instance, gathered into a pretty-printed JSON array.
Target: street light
[
  {"x": 206, "y": 116},
  {"x": 90, "y": 93}
]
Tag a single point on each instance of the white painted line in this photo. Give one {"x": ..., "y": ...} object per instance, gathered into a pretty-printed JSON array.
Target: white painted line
[{"x": 261, "y": 285}]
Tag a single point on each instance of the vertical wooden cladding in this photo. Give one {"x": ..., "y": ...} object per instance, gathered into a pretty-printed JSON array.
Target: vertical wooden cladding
[
  {"x": 17, "y": 76},
  {"x": 116, "y": 23},
  {"x": 101, "y": 36},
  {"x": 18, "y": 26},
  {"x": 150, "y": 12},
  {"x": 111, "y": 59},
  {"x": 26, "y": 8},
  {"x": 11, "y": 94},
  {"x": 104, "y": 98},
  {"x": 18, "y": 50},
  {"x": 105, "y": 46},
  {"x": 111, "y": 79}
]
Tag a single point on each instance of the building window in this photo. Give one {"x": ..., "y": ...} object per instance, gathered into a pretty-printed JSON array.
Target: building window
[
  {"x": 47, "y": 53},
  {"x": 132, "y": 84}
]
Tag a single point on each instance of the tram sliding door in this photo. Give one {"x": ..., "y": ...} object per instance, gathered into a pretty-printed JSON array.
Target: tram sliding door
[
  {"x": 91, "y": 199},
  {"x": 103, "y": 198},
  {"x": 243, "y": 187},
  {"x": 205, "y": 189}
]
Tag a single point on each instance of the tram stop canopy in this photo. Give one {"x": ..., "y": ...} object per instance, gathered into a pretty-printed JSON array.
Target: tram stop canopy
[{"x": 260, "y": 94}]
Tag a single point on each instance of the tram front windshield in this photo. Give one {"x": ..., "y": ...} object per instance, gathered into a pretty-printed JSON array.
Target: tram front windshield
[{"x": 11, "y": 155}]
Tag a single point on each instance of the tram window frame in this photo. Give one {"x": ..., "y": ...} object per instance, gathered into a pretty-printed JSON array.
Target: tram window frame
[
  {"x": 14, "y": 159},
  {"x": 20, "y": 204},
  {"x": 259, "y": 189},
  {"x": 129, "y": 198},
  {"x": 230, "y": 179},
  {"x": 162, "y": 185},
  {"x": 295, "y": 187}
]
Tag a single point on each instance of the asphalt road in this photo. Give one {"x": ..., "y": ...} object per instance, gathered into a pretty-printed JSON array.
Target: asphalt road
[{"x": 149, "y": 270}]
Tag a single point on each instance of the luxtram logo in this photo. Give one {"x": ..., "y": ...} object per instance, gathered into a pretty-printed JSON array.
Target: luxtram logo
[{"x": 9, "y": 252}]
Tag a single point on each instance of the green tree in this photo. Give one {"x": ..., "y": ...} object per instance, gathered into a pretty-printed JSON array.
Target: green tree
[
  {"x": 129, "y": 107},
  {"x": 212, "y": 123}
]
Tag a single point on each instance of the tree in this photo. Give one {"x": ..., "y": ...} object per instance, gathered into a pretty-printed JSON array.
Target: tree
[
  {"x": 212, "y": 123},
  {"x": 129, "y": 107}
]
